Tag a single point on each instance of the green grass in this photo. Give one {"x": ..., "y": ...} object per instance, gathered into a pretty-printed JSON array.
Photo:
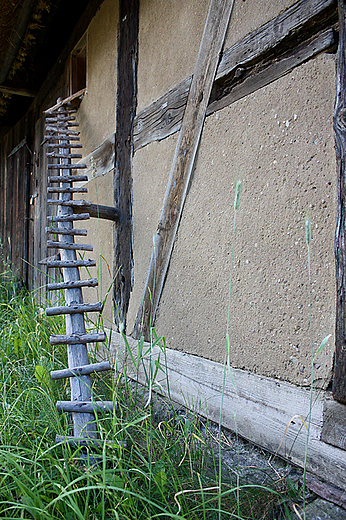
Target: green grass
[{"x": 168, "y": 468}]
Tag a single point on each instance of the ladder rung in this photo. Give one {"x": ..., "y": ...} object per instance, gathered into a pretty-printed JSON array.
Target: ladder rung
[
  {"x": 62, "y": 231},
  {"x": 80, "y": 371},
  {"x": 81, "y": 442},
  {"x": 76, "y": 339},
  {"x": 66, "y": 245},
  {"x": 69, "y": 218},
  {"x": 72, "y": 203},
  {"x": 69, "y": 145},
  {"x": 67, "y": 190},
  {"x": 66, "y": 166},
  {"x": 61, "y": 130},
  {"x": 68, "y": 263},
  {"x": 59, "y": 119},
  {"x": 77, "y": 308},
  {"x": 85, "y": 406},
  {"x": 64, "y": 155},
  {"x": 93, "y": 282},
  {"x": 68, "y": 178},
  {"x": 62, "y": 138}
]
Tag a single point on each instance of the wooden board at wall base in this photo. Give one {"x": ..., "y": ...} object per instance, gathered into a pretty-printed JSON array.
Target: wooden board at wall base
[{"x": 265, "y": 411}]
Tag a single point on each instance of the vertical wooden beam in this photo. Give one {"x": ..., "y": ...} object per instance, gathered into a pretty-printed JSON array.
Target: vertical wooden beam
[
  {"x": 125, "y": 114},
  {"x": 339, "y": 122},
  {"x": 189, "y": 137}
]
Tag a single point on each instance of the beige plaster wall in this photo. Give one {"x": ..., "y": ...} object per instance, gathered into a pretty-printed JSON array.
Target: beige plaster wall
[
  {"x": 169, "y": 37},
  {"x": 96, "y": 114},
  {"x": 280, "y": 139}
]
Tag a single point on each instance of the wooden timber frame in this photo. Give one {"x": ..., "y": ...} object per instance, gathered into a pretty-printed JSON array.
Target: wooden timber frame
[{"x": 61, "y": 142}]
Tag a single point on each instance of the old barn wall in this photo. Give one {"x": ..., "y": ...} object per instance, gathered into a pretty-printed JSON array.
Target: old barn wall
[{"x": 280, "y": 141}]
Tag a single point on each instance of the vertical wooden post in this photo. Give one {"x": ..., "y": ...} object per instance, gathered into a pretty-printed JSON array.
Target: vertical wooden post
[
  {"x": 125, "y": 114},
  {"x": 339, "y": 121}
]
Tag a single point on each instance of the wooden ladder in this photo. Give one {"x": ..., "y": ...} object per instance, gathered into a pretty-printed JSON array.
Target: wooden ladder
[{"x": 60, "y": 142}]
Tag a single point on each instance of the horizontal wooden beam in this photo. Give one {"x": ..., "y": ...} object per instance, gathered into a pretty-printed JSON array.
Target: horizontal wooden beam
[
  {"x": 103, "y": 212},
  {"x": 76, "y": 339},
  {"x": 63, "y": 231},
  {"x": 74, "y": 309},
  {"x": 16, "y": 91},
  {"x": 67, "y": 245},
  {"x": 81, "y": 371},
  {"x": 266, "y": 48},
  {"x": 92, "y": 282},
  {"x": 85, "y": 406}
]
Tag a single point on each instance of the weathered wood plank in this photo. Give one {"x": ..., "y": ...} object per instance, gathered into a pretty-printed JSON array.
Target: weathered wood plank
[
  {"x": 67, "y": 146},
  {"x": 76, "y": 166},
  {"x": 92, "y": 282},
  {"x": 85, "y": 406},
  {"x": 125, "y": 114},
  {"x": 67, "y": 178},
  {"x": 69, "y": 263},
  {"x": 72, "y": 203},
  {"x": 327, "y": 491},
  {"x": 64, "y": 156},
  {"x": 67, "y": 190},
  {"x": 62, "y": 231},
  {"x": 339, "y": 124},
  {"x": 76, "y": 338},
  {"x": 258, "y": 408},
  {"x": 298, "y": 24},
  {"x": 74, "y": 308},
  {"x": 210, "y": 49},
  {"x": 101, "y": 160},
  {"x": 103, "y": 212},
  {"x": 68, "y": 217},
  {"x": 67, "y": 245},
  {"x": 334, "y": 424},
  {"x": 80, "y": 371}
]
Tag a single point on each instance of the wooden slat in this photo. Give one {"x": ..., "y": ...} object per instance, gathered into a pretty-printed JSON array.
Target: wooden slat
[
  {"x": 67, "y": 178},
  {"x": 67, "y": 146},
  {"x": 63, "y": 231},
  {"x": 101, "y": 160},
  {"x": 339, "y": 381},
  {"x": 66, "y": 166},
  {"x": 334, "y": 424},
  {"x": 69, "y": 218},
  {"x": 74, "y": 309},
  {"x": 68, "y": 263},
  {"x": 80, "y": 371},
  {"x": 212, "y": 41},
  {"x": 66, "y": 190},
  {"x": 76, "y": 339},
  {"x": 93, "y": 282},
  {"x": 85, "y": 406},
  {"x": 63, "y": 102},
  {"x": 62, "y": 130},
  {"x": 64, "y": 156},
  {"x": 298, "y": 24},
  {"x": 71, "y": 203},
  {"x": 61, "y": 138},
  {"x": 67, "y": 245}
]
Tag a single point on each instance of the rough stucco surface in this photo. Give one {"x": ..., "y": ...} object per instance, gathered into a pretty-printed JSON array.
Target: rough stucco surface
[
  {"x": 280, "y": 140},
  {"x": 151, "y": 169},
  {"x": 248, "y": 15},
  {"x": 96, "y": 114},
  {"x": 169, "y": 38}
]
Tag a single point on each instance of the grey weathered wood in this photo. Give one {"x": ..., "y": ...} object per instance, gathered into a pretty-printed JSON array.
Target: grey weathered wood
[
  {"x": 334, "y": 424},
  {"x": 72, "y": 203},
  {"x": 98, "y": 211},
  {"x": 125, "y": 113},
  {"x": 67, "y": 178},
  {"x": 67, "y": 190},
  {"x": 92, "y": 282},
  {"x": 210, "y": 49},
  {"x": 74, "y": 308},
  {"x": 62, "y": 130},
  {"x": 254, "y": 78},
  {"x": 339, "y": 123},
  {"x": 326, "y": 491},
  {"x": 67, "y": 245},
  {"x": 80, "y": 371},
  {"x": 61, "y": 138},
  {"x": 63, "y": 102},
  {"x": 64, "y": 156},
  {"x": 69, "y": 217},
  {"x": 298, "y": 24},
  {"x": 258, "y": 408},
  {"x": 76, "y": 338},
  {"x": 76, "y": 166},
  {"x": 62, "y": 231},
  {"x": 67, "y": 146},
  {"x": 101, "y": 160},
  {"x": 85, "y": 406},
  {"x": 69, "y": 263}
]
